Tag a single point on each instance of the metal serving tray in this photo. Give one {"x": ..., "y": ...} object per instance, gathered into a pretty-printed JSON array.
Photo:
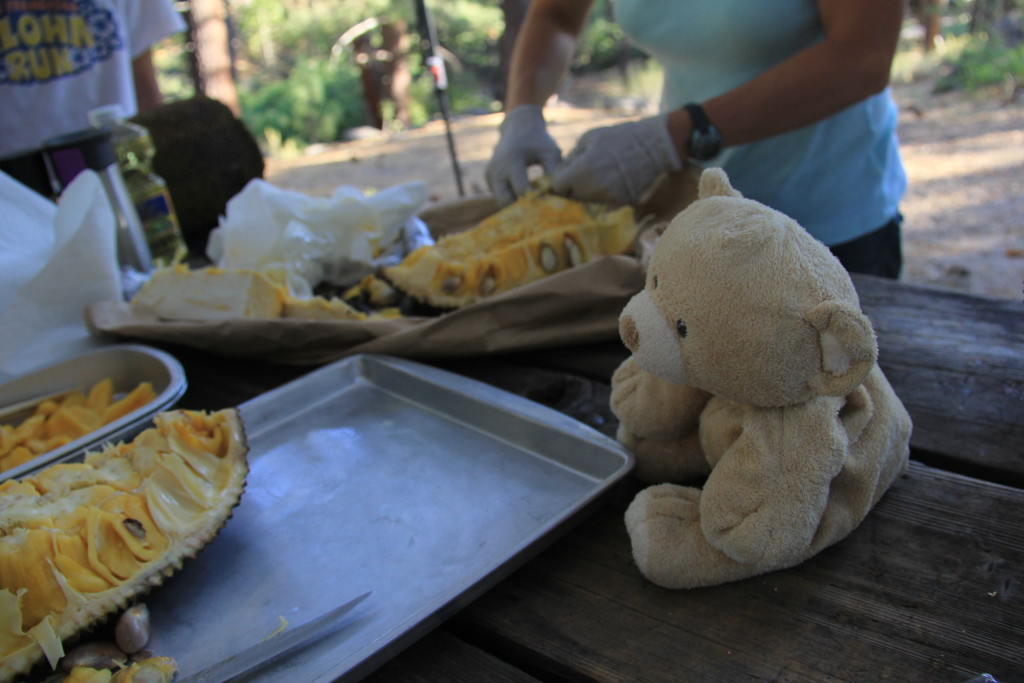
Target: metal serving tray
[
  {"x": 127, "y": 365},
  {"x": 384, "y": 475}
]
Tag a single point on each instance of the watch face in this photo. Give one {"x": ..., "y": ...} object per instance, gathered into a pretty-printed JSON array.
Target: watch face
[{"x": 704, "y": 146}]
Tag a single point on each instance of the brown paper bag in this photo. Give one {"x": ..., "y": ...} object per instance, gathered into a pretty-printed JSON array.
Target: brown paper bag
[{"x": 575, "y": 306}]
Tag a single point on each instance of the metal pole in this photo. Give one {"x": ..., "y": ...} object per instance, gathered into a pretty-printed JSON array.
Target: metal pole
[{"x": 429, "y": 42}]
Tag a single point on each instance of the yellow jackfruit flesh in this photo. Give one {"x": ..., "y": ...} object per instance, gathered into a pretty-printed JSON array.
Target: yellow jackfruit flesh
[
  {"x": 79, "y": 540},
  {"x": 55, "y": 423},
  {"x": 537, "y": 235}
]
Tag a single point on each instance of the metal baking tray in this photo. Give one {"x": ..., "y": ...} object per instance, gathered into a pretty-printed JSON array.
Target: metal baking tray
[
  {"x": 127, "y": 365},
  {"x": 385, "y": 475}
]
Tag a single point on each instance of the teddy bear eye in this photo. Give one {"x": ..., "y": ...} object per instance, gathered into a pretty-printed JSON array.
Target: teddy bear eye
[
  {"x": 681, "y": 328},
  {"x": 655, "y": 281}
]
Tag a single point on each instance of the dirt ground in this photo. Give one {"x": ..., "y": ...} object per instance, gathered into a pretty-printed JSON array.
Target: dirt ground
[{"x": 964, "y": 209}]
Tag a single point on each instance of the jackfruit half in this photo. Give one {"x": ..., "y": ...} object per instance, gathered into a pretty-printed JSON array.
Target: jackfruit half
[
  {"x": 79, "y": 540},
  {"x": 535, "y": 236}
]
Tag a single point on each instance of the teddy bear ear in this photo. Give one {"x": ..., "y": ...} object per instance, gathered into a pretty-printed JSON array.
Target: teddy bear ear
[
  {"x": 714, "y": 182},
  {"x": 848, "y": 347}
]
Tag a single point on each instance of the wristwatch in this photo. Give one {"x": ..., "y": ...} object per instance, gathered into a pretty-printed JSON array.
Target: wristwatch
[{"x": 706, "y": 140}]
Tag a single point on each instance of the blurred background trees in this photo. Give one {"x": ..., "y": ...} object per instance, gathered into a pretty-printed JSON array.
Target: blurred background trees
[{"x": 305, "y": 72}]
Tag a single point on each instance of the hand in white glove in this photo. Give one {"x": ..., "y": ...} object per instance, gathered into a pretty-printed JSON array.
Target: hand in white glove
[
  {"x": 524, "y": 142},
  {"x": 617, "y": 164}
]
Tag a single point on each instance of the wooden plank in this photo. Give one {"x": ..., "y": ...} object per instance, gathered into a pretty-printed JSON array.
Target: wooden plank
[
  {"x": 928, "y": 588},
  {"x": 440, "y": 656},
  {"x": 957, "y": 363}
]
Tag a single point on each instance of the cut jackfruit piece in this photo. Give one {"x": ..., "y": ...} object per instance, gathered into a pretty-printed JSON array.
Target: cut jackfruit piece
[
  {"x": 79, "y": 541},
  {"x": 178, "y": 293},
  {"x": 537, "y": 235},
  {"x": 55, "y": 423},
  {"x": 320, "y": 308},
  {"x": 211, "y": 294}
]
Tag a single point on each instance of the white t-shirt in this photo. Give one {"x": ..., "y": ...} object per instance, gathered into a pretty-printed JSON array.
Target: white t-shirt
[
  {"x": 839, "y": 178},
  {"x": 59, "y": 59}
]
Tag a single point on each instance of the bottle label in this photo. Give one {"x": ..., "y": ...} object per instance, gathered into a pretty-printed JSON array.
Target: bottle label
[{"x": 161, "y": 227}]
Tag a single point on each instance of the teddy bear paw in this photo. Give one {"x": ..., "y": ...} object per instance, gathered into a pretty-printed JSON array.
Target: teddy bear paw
[
  {"x": 662, "y": 522},
  {"x": 626, "y": 381},
  {"x": 768, "y": 535}
]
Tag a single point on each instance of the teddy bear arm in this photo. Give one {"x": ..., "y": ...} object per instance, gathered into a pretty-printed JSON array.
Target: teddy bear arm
[
  {"x": 765, "y": 498},
  {"x": 649, "y": 407}
]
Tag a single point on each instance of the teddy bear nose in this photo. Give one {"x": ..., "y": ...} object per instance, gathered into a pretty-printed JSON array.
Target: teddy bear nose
[{"x": 627, "y": 330}]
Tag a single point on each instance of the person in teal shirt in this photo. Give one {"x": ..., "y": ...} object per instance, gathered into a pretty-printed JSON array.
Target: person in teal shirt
[{"x": 790, "y": 97}]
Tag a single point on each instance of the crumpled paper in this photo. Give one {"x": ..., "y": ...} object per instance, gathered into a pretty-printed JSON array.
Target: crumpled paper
[
  {"x": 337, "y": 239},
  {"x": 55, "y": 260}
]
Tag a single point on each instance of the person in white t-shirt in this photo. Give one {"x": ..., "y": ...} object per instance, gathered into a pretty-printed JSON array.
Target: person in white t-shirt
[
  {"x": 790, "y": 97},
  {"x": 60, "y": 59}
]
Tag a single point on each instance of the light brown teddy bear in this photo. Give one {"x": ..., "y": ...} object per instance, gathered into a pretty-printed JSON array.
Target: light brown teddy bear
[{"x": 753, "y": 364}]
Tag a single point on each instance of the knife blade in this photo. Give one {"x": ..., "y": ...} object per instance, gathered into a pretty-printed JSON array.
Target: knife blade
[{"x": 264, "y": 653}]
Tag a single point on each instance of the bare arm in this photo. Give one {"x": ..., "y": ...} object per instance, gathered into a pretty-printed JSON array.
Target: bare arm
[
  {"x": 544, "y": 48},
  {"x": 147, "y": 91},
  {"x": 851, "y": 63}
]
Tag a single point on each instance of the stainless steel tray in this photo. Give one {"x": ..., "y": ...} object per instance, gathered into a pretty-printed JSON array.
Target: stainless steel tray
[
  {"x": 384, "y": 475},
  {"x": 127, "y": 365}
]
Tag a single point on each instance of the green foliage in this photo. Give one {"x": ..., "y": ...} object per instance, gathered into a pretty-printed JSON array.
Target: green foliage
[
  {"x": 600, "y": 46},
  {"x": 171, "y": 65},
  {"x": 966, "y": 55},
  {"x": 470, "y": 30},
  {"x": 313, "y": 103},
  {"x": 298, "y": 83},
  {"x": 983, "y": 62}
]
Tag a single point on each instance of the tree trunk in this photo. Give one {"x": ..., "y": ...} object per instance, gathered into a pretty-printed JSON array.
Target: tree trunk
[
  {"x": 397, "y": 76},
  {"x": 370, "y": 77},
  {"x": 929, "y": 14},
  {"x": 515, "y": 13},
  {"x": 212, "y": 68}
]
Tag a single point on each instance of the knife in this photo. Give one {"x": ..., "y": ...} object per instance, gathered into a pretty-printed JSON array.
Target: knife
[{"x": 264, "y": 653}]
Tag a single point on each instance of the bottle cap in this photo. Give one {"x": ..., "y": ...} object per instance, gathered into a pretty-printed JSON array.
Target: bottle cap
[{"x": 106, "y": 115}]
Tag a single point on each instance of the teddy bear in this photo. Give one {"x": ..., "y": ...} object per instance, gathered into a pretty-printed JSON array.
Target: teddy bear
[{"x": 753, "y": 368}]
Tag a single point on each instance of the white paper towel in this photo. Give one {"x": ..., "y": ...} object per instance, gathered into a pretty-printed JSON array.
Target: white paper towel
[
  {"x": 336, "y": 239},
  {"x": 55, "y": 260}
]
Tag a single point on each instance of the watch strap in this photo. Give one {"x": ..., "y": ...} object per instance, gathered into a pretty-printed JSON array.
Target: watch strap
[
  {"x": 706, "y": 140},
  {"x": 700, "y": 119}
]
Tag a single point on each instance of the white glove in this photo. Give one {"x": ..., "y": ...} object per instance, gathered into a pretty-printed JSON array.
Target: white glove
[
  {"x": 524, "y": 142},
  {"x": 617, "y": 164}
]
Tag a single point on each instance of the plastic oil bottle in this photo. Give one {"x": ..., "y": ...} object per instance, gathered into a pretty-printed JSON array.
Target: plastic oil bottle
[{"x": 135, "y": 151}]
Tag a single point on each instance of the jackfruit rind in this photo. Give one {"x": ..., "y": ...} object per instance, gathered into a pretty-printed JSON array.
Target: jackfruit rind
[
  {"x": 537, "y": 235},
  {"x": 78, "y": 541}
]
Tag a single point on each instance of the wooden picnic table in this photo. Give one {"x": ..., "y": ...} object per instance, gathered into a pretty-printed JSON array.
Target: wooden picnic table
[{"x": 930, "y": 587}]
